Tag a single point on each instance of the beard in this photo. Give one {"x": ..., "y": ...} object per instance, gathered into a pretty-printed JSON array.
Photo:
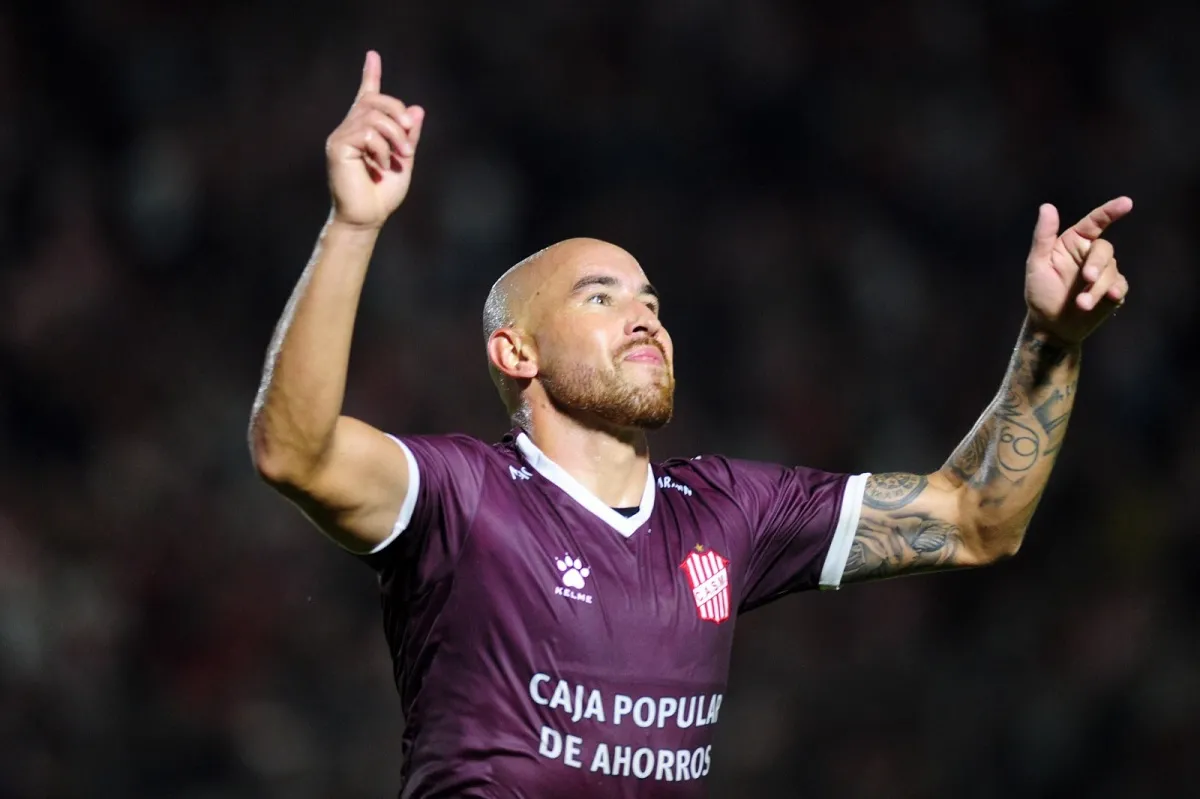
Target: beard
[{"x": 611, "y": 396}]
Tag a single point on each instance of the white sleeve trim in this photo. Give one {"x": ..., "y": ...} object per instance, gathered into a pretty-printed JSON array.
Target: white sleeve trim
[
  {"x": 410, "y": 498},
  {"x": 843, "y": 534}
]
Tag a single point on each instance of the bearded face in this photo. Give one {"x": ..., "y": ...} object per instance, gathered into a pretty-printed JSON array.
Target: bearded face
[
  {"x": 585, "y": 336},
  {"x": 634, "y": 389}
]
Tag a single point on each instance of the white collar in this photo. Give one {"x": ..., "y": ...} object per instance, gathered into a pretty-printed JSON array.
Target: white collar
[{"x": 625, "y": 525}]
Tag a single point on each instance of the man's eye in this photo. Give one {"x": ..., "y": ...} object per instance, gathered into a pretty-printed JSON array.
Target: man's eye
[{"x": 599, "y": 299}]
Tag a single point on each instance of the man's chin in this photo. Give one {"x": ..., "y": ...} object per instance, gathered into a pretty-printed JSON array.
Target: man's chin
[
  {"x": 652, "y": 416},
  {"x": 646, "y": 418},
  {"x": 655, "y": 422}
]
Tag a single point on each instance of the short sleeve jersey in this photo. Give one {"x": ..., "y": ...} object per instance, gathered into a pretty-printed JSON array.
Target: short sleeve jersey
[{"x": 545, "y": 644}]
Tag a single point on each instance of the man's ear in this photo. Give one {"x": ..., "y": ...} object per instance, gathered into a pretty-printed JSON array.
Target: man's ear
[{"x": 512, "y": 354}]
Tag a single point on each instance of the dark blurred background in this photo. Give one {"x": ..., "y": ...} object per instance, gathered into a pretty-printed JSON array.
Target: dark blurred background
[{"x": 836, "y": 201}]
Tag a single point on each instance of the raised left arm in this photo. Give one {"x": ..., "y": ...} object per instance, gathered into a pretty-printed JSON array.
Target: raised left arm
[{"x": 976, "y": 508}]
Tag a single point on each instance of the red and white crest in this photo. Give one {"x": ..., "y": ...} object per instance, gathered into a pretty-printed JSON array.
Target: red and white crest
[{"x": 709, "y": 575}]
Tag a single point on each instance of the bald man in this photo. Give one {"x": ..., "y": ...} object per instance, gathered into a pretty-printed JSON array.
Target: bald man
[{"x": 559, "y": 608}]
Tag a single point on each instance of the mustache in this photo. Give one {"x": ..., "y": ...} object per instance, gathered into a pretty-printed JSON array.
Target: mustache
[{"x": 642, "y": 343}]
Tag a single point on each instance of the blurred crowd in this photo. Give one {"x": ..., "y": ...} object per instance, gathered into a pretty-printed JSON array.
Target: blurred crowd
[{"x": 835, "y": 200}]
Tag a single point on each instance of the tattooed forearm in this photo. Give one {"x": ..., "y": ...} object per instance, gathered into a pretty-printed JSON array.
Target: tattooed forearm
[
  {"x": 1026, "y": 422},
  {"x": 967, "y": 462},
  {"x": 1006, "y": 459},
  {"x": 1002, "y": 446},
  {"x": 1053, "y": 413},
  {"x": 978, "y": 505}
]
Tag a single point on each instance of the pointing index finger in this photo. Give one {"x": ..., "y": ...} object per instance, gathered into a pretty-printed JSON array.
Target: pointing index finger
[
  {"x": 1092, "y": 226},
  {"x": 372, "y": 72},
  {"x": 1045, "y": 232}
]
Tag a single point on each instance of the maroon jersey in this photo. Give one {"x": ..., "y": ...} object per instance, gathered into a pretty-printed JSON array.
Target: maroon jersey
[{"x": 545, "y": 644}]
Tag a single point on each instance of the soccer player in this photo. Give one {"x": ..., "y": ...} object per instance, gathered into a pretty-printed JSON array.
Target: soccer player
[{"x": 559, "y": 608}]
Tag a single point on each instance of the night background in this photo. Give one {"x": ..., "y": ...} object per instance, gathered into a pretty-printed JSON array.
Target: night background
[{"x": 835, "y": 200}]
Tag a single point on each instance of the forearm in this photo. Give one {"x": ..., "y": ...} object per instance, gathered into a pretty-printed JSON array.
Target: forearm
[
  {"x": 1001, "y": 468},
  {"x": 303, "y": 382},
  {"x": 975, "y": 509}
]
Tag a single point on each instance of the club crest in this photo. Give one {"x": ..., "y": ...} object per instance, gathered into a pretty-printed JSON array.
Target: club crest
[{"x": 708, "y": 574}]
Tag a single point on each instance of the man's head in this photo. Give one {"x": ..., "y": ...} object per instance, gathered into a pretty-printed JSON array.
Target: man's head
[{"x": 575, "y": 328}]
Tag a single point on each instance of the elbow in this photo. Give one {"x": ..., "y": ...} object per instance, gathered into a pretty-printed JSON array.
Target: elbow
[
  {"x": 277, "y": 464},
  {"x": 992, "y": 545},
  {"x": 272, "y": 471},
  {"x": 1008, "y": 549},
  {"x": 991, "y": 531},
  {"x": 268, "y": 464}
]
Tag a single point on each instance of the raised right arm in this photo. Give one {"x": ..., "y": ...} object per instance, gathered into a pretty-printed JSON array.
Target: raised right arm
[{"x": 346, "y": 476}]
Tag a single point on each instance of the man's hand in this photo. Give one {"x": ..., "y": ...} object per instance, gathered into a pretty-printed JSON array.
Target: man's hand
[
  {"x": 370, "y": 155},
  {"x": 1071, "y": 281}
]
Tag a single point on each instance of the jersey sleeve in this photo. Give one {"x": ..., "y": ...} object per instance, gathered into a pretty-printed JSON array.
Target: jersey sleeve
[
  {"x": 802, "y": 523},
  {"x": 445, "y": 484}
]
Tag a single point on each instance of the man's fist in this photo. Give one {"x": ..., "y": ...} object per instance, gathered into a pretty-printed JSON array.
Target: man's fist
[
  {"x": 370, "y": 155},
  {"x": 1072, "y": 283}
]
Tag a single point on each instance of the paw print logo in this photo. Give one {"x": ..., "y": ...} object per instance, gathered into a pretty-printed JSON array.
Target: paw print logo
[{"x": 574, "y": 572}]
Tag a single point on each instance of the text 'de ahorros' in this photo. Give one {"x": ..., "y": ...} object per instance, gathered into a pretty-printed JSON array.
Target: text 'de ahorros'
[{"x": 605, "y": 752}]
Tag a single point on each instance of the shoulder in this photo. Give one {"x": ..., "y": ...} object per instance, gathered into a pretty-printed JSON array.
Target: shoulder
[
  {"x": 457, "y": 443},
  {"x": 460, "y": 441},
  {"x": 458, "y": 452},
  {"x": 718, "y": 470},
  {"x": 707, "y": 473},
  {"x": 705, "y": 464},
  {"x": 748, "y": 481}
]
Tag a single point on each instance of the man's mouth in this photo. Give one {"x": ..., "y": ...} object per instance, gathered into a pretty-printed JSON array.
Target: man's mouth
[{"x": 645, "y": 353}]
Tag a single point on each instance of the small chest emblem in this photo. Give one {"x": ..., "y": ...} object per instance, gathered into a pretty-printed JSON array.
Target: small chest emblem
[
  {"x": 573, "y": 574},
  {"x": 708, "y": 574}
]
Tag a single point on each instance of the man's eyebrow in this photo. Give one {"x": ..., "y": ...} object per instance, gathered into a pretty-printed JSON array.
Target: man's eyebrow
[
  {"x": 609, "y": 281},
  {"x": 593, "y": 280}
]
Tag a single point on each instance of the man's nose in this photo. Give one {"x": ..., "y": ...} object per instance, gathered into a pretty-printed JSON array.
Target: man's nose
[{"x": 642, "y": 321}]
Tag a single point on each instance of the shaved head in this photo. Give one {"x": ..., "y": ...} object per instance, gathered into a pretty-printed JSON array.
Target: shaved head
[
  {"x": 527, "y": 303},
  {"x": 508, "y": 303}
]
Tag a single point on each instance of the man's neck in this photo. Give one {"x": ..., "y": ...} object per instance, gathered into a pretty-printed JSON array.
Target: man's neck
[{"x": 610, "y": 464}]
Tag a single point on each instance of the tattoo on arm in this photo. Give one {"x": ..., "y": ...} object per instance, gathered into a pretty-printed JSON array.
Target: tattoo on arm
[
  {"x": 895, "y": 538},
  {"x": 967, "y": 462},
  {"x": 1023, "y": 427},
  {"x": 986, "y": 457},
  {"x": 1053, "y": 414},
  {"x": 987, "y": 491},
  {"x": 893, "y": 490}
]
